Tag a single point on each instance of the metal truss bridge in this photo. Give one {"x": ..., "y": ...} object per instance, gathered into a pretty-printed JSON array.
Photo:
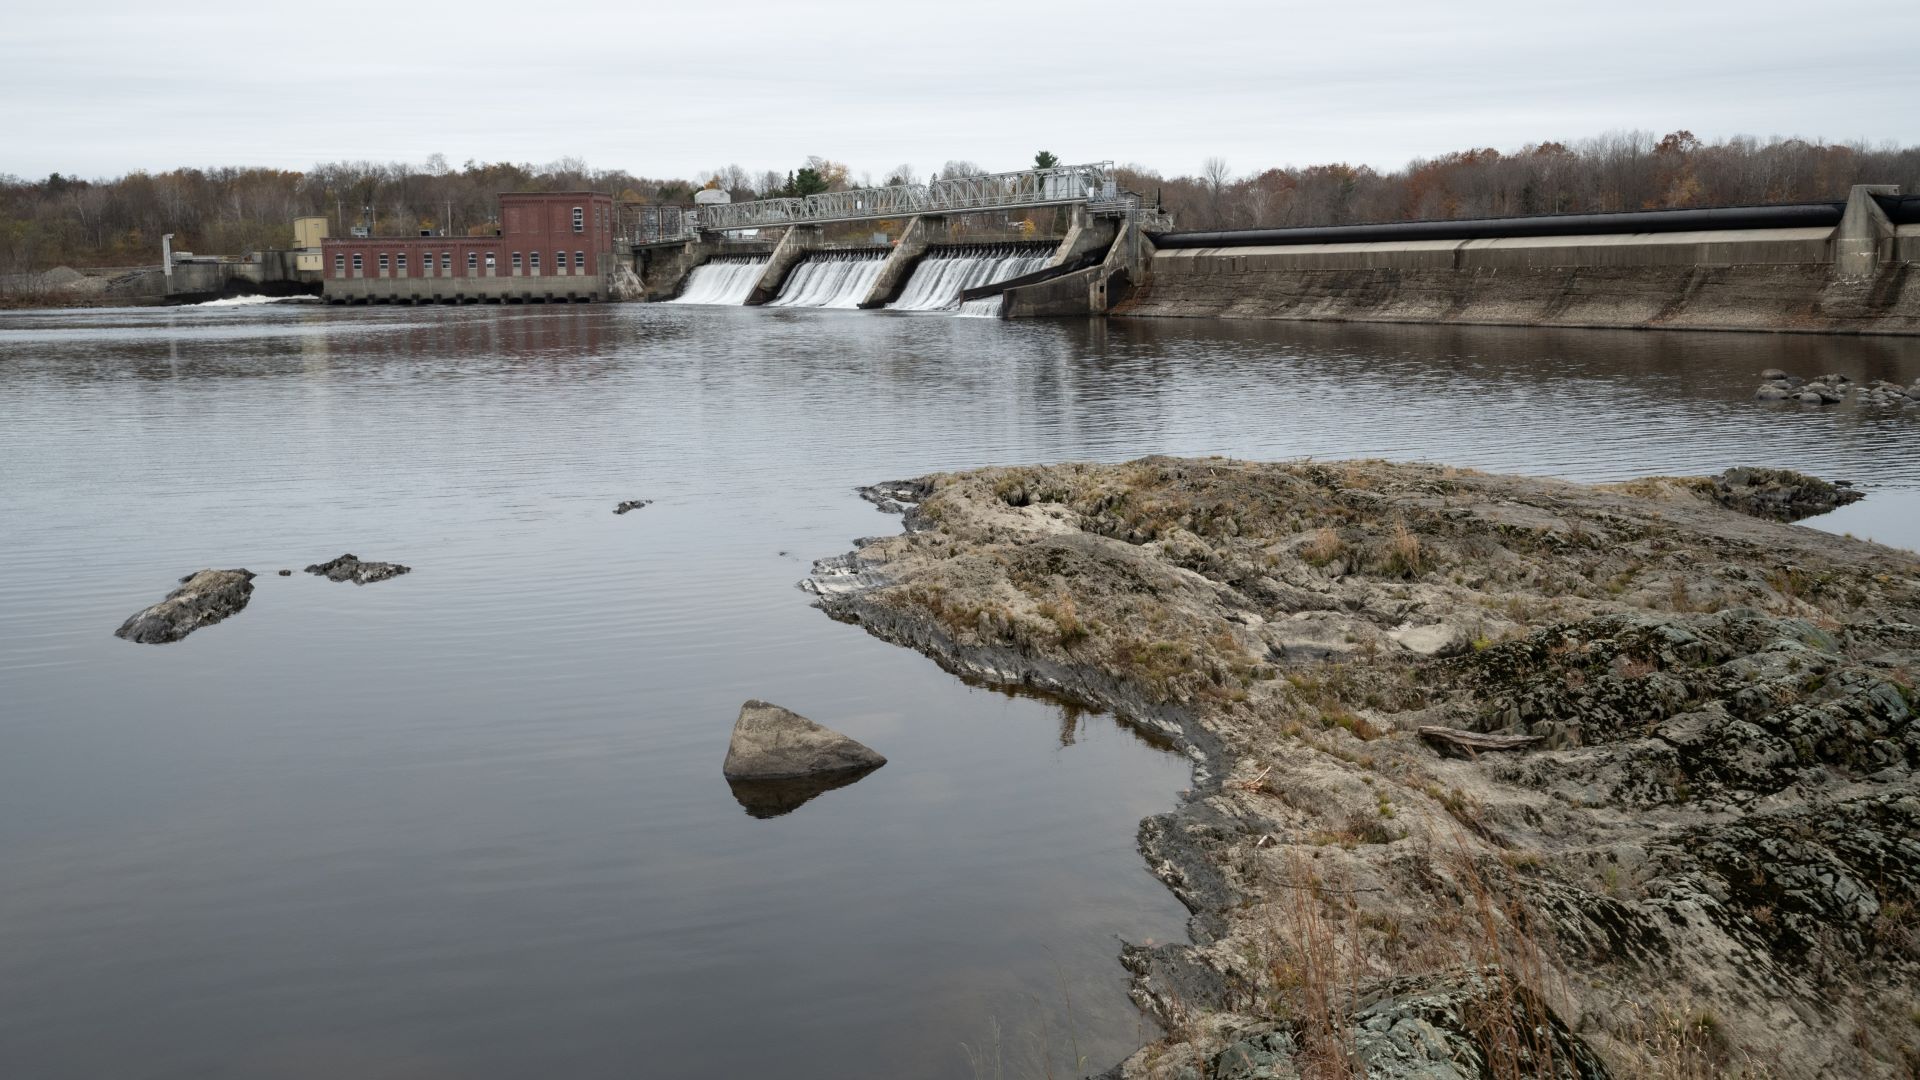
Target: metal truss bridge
[{"x": 1026, "y": 189}]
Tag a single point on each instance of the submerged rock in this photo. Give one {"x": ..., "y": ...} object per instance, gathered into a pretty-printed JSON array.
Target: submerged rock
[
  {"x": 350, "y": 568},
  {"x": 632, "y": 504},
  {"x": 772, "y": 743},
  {"x": 1780, "y": 494},
  {"x": 203, "y": 598}
]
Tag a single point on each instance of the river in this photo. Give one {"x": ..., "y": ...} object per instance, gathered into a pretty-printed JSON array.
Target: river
[{"x": 470, "y": 822}]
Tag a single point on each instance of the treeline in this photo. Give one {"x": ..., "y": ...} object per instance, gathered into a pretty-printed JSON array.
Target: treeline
[
  {"x": 68, "y": 221},
  {"x": 1619, "y": 171},
  {"x": 85, "y": 223}
]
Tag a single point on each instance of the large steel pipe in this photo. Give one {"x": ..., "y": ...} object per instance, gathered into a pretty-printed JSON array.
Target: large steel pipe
[{"x": 1791, "y": 216}]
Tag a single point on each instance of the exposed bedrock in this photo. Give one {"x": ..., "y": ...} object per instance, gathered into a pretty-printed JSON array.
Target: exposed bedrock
[
  {"x": 203, "y": 598},
  {"x": 1494, "y": 776}
]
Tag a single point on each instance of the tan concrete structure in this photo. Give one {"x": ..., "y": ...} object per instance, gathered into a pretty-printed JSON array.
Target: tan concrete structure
[{"x": 1853, "y": 278}]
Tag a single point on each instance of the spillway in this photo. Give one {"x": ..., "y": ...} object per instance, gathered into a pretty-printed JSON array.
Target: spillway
[
  {"x": 945, "y": 272},
  {"x": 726, "y": 280},
  {"x": 831, "y": 280}
]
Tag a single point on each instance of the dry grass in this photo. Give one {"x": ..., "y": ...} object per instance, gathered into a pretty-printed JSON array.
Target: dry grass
[
  {"x": 1065, "y": 616},
  {"x": 1401, "y": 555},
  {"x": 1323, "y": 546}
]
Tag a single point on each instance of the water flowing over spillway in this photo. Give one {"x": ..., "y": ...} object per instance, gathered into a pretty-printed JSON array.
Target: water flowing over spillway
[
  {"x": 831, "y": 280},
  {"x": 726, "y": 280},
  {"x": 940, "y": 278}
]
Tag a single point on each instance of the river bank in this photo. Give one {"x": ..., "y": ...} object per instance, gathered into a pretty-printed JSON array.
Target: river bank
[{"x": 1527, "y": 776}]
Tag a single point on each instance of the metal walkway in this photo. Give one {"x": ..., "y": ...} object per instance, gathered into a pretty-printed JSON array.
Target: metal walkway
[
  {"x": 1026, "y": 189},
  {"x": 1064, "y": 185}
]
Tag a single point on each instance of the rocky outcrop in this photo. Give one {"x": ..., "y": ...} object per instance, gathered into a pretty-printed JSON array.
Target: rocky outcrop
[
  {"x": 631, "y": 505},
  {"x": 772, "y": 743},
  {"x": 1880, "y": 394},
  {"x": 1693, "y": 853},
  {"x": 203, "y": 598},
  {"x": 350, "y": 568},
  {"x": 1832, "y": 389},
  {"x": 1780, "y": 494}
]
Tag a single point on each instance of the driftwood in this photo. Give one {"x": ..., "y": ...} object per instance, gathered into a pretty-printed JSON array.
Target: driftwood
[{"x": 1471, "y": 742}]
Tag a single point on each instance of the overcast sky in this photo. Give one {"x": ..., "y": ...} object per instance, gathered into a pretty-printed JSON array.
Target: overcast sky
[{"x": 102, "y": 87}]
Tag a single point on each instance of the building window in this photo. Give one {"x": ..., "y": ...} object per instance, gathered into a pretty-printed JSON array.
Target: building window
[
  {"x": 400, "y": 261},
  {"x": 339, "y": 264},
  {"x": 383, "y": 262},
  {"x": 579, "y": 219},
  {"x": 490, "y": 262},
  {"x": 533, "y": 261},
  {"x": 446, "y": 260},
  {"x": 560, "y": 260},
  {"x": 473, "y": 260},
  {"x": 356, "y": 262},
  {"x": 516, "y": 262},
  {"x": 579, "y": 260}
]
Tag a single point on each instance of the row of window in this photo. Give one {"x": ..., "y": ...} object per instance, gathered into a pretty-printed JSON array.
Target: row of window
[{"x": 446, "y": 261}]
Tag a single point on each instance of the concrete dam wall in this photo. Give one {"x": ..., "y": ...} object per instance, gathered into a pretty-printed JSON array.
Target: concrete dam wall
[{"x": 1845, "y": 268}]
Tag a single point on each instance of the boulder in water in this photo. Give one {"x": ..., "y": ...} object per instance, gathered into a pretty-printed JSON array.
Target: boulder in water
[
  {"x": 632, "y": 504},
  {"x": 350, "y": 568},
  {"x": 772, "y": 743},
  {"x": 203, "y": 598}
]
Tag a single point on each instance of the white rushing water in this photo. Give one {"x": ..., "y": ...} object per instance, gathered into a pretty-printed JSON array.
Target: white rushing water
[
  {"x": 726, "y": 280},
  {"x": 831, "y": 280},
  {"x": 254, "y": 301},
  {"x": 940, "y": 278}
]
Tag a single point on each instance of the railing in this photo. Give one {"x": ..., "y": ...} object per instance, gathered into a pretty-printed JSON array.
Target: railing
[
  {"x": 1125, "y": 204},
  {"x": 647, "y": 225},
  {"x": 1027, "y": 188}
]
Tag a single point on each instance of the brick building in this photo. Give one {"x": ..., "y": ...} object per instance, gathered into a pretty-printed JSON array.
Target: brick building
[{"x": 552, "y": 247}]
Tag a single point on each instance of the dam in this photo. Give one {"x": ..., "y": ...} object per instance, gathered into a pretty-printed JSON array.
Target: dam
[{"x": 1833, "y": 267}]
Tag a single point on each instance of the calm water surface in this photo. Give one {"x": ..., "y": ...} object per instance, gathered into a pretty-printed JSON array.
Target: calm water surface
[{"x": 470, "y": 822}]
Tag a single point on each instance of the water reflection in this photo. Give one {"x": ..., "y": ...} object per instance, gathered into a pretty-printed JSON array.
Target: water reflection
[{"x": 772, "y": 798}]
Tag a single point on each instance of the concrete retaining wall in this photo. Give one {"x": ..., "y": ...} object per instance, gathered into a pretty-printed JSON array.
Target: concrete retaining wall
[
  {"x": 1802, "y": 297},
  {"x": 1856, "y": 278},
  {"x": 526, "y": 289}
]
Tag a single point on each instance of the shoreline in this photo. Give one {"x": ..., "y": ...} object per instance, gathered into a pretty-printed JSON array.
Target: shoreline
[{"x": 1322, "y": 825}]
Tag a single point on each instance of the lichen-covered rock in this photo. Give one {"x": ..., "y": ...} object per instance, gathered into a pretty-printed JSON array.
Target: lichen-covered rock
[
  {"x": 203, "y": 598},
  {"x": 1458, "y": 1026},
  {"x": 349, "y": 568}
]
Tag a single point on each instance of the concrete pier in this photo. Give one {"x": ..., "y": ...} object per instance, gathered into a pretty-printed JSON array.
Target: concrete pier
[
  {"x": 799, "y": 241},
  {"x": 1866, "y": 239},
  {"x": 1085, "y": 234},
  {"x": 914, "y": 242}
]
